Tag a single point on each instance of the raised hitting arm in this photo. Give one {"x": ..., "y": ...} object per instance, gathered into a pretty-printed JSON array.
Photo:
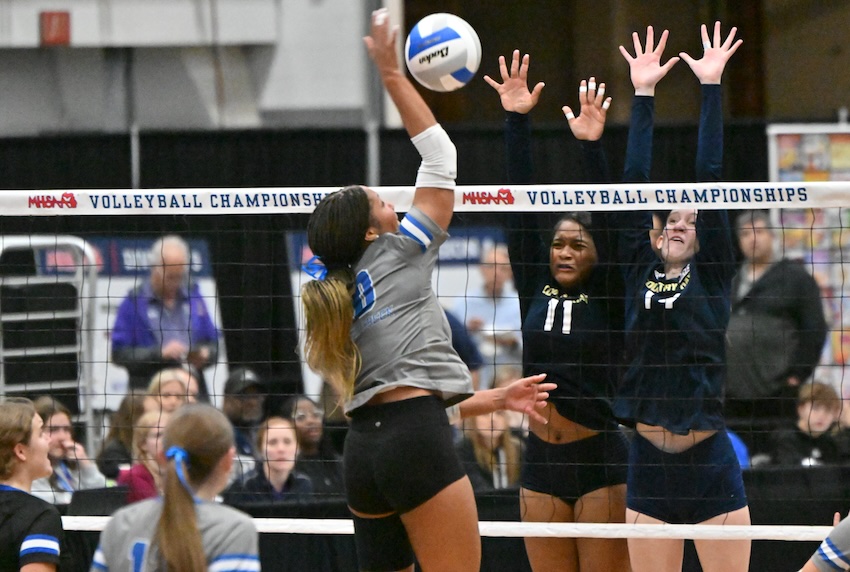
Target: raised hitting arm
[{"x": 435, "y": 182}]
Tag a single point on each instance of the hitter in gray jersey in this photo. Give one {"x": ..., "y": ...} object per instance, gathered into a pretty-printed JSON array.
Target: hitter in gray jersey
[
  {"x": 834, "y": 551},
  {"x": 396, "y": 314},
  {"x": 375, "y": 331}
]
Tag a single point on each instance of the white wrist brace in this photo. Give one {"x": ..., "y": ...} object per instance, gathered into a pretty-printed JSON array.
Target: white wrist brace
[{"x": 439, "y": 159}]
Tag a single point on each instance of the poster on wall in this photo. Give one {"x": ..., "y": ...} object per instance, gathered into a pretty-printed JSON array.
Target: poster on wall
[{"x": 818, "y": 237}]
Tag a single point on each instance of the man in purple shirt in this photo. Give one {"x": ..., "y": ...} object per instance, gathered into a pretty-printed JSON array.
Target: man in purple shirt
[{"x": 164, "y": 322}]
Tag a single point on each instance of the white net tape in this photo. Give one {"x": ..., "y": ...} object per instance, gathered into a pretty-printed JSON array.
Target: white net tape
[{"x": 533, "y": 529}]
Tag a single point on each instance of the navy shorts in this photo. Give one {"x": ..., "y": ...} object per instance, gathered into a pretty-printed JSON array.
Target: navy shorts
[
  {"x": 572, "y": 470},
  {"x": 688, "y": 487}
]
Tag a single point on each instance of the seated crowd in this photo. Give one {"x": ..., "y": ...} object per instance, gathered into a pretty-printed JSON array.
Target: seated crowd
[
  {"x": 283, "y": 450},
  {"x": 287, "y": 455},
  {"x": 280, "y": 455},
  {"x": 284, "y": 453}
]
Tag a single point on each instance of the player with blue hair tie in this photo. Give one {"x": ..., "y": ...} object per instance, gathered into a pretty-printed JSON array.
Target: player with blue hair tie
[
  {"x": 377, "y": 333},
  {"x": 186, "y": 529}
]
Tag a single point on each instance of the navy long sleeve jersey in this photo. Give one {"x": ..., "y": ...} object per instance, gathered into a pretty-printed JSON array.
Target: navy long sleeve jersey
[
  {"x": 675, "y": 328},
  {"x": 575, "y": 336}
]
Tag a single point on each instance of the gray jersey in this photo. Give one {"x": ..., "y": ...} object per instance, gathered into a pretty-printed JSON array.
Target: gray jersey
[
  {"x": 399, "y": 326},
  {"x": 834, "y": 552},
  {"x": 228, "y": 535}
]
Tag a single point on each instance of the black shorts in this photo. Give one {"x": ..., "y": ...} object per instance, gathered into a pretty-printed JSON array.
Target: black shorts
[
  {"x": 572, "y": 470},
  {"x": 399, "y": 455},
  {"x": 688, "y": 487}
]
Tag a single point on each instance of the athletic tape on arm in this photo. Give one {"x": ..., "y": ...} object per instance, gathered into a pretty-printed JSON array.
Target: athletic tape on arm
[{"x": 439, "y": 159}]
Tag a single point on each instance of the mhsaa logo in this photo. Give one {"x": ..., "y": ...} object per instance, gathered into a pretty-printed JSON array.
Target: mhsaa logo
[
  {"x": 67, "y": 200},
  {"x": 502, "y": 197}
]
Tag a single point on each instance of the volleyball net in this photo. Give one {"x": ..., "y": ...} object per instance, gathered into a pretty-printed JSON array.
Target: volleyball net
[{"x": 69, "y": 258}]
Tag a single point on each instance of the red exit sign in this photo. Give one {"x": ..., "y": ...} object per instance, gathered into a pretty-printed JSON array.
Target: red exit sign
[{"x": 55, "y": 28}]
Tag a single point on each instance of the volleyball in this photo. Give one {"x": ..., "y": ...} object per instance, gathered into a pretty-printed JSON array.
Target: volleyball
[{"x": 442, "y": 52}]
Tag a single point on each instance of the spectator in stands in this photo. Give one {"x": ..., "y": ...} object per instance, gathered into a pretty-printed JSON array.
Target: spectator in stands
[
  {"x": 491, "y": 314},
  {"x": 193, "y": 387},
  {"x": 186, "y": 529},
  {"x": 167, "y": 391},
  {"x": 776, "y": 332},
  {"x": 490, "y": 453},
  {"x": 30, "y": 529},
  {"x": 144, "y": 479},
  {"x": 243, "y": 406},
  {"x": 742, "y": 452},
  {"x": 316, "y": 456},
  {"x": 275, "y": 478},
  {"x": 73, "y": 467},
  {"x": 117, "y": 450},
  {"x": 164, "y": 322},
  {"x": 810, "y": 442},
  {"x": 467, "y": 348}
]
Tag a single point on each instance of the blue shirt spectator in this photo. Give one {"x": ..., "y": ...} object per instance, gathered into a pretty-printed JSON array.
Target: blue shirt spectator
[
  {"x": 164, "y": 322},
  {"x": 466, "y": 347}
]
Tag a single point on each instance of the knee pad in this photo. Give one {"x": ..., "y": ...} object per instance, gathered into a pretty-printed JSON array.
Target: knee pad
[{"x": 382, "y": 544}]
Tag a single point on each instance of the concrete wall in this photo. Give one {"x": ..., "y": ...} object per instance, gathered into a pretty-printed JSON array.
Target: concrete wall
[
  {"x": 206, "y": 64},
  {"x": 183, "y": 64},
  {"x": 807, "y": 59}
]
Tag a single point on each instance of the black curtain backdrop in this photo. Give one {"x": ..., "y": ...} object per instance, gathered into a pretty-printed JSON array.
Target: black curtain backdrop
[{"x": 249, "y": 252}]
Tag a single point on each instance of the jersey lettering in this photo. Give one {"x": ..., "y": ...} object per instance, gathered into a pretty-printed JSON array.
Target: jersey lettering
[
  {"x": 364, "y": 293},
  {"x": 137, "y": 555},
  {"x": 668, "y": 302},
  {"x": 567, "y": 322}
]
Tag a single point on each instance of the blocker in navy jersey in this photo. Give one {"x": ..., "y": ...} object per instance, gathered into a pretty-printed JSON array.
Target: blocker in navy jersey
[
  {"x": 573, "y": 335},
  {"x": 675, "y": 327},
  {"x": 30, "y": 530},
  {"x": 399, "y": 326}
]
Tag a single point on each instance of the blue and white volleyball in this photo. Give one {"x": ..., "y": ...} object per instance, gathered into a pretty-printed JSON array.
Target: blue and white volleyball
[{"x": 442, "y": 52}]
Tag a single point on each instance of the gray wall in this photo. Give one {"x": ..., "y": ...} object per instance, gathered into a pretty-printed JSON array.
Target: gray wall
[{"x": 206, "y": 64}]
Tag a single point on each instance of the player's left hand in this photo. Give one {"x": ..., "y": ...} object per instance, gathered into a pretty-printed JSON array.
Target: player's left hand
[
  {"x": 381, "y": 42},
  {"x": 513, "y": 91},
  {"x": 716, "y": 53},
  {"x": 590, "y": 123},
  {"x": 528, "y": 395}
]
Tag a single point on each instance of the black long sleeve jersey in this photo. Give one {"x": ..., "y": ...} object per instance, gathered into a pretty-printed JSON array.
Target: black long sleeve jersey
[
  {"x": 574, "y": 335},
  {"x": 675, "y": 328}
]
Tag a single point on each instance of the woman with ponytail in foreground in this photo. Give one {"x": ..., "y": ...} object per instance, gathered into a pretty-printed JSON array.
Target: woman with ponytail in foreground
[
  {"x": 376, "y": 332},
  {"x": 185, "y": 530}
]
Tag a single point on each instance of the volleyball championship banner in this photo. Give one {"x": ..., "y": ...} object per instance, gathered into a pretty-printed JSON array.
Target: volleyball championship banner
[{"x": 479, "y": 198}]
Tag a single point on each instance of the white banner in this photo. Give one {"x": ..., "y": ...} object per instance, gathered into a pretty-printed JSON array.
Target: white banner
[{"x": 478, "y": 198}]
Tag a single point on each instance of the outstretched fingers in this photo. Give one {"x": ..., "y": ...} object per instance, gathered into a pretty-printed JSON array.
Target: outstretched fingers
[
  {"x": 590, "y": 123},
  {"x": 636, "y": 42},
  {"x": 515, "y": 64},
  {"x": 716, "y": 53},
  {"x": 513, "y": 91},
  {"x": 380, "y": 43}
]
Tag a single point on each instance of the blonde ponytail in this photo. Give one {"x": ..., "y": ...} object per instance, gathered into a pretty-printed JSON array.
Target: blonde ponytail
[{"x": 329, "y": 314}]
